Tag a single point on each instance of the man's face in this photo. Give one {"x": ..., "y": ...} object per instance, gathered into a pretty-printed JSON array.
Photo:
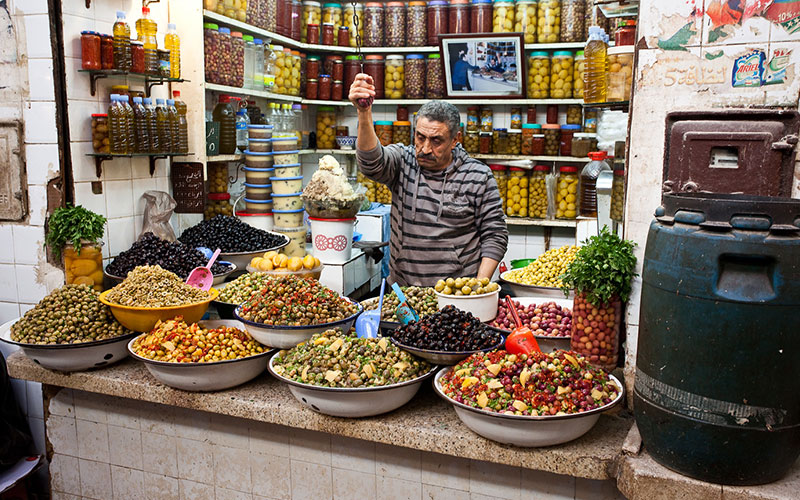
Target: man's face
[{"x": 433, "y": 144}]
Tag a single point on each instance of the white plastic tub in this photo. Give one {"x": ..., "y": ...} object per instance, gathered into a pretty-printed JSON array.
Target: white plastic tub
[
  {"x": 288, "y": 218},
  {"x": 287, "y": 201},
  {"x": 332, "y": 239},
  {"x": 287, "y": 185},
  {"x": 260, "y": 176},
  {"x": 288, "y": 170}
]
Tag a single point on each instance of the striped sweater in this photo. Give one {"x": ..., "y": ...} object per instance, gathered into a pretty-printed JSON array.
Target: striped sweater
[{"x": 443, "y": 222}]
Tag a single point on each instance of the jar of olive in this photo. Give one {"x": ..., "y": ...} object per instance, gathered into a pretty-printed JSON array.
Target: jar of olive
[
  {"x": 401, "y": 133},
  {"x": 567, "y": 192},
  {"x": 561, "y": 74},
  {"x": 472, "y": 142},
  {"x": 395, "y": 77},
  {"x": 473, "y": 118},
  {"x": 583, "y": 143},
  {"x": 548, "y": 21},
  {"x": 577, "y": 75},
  {"x": 574, "y": 114},
  {"x": 485, "y": 143},
  {"x": 84, "y": 266},
  {"x": 538, "y": 75},
  {"x": 516, "y": 117},
  {"x": 528, "y": 131},
  {"x": 500, "y": 141},
  {"x": 383, "y": 129},
  {"x": 572, "y": 19},
  {"x": 514, "y": 141},
  {"x": 501, "y": 178},
  {"x": 617, "y": 195},
  {"x": 525, "y": 19},
  {"x": 503, "y": 16},
  {"x": 217, "y": 177},
  {"x": 326, "y": 127},
  {"x": 100, "y": 141},
  {"x": 552, "y": 138},
  {"x": 538, "y": 201},
  {"x": 517, "y": 195},
  {"x": 590, "y": 120},
  {"x": 487, "y": 119}
]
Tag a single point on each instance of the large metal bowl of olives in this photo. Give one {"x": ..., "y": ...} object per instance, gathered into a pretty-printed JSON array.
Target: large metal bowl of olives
[{"x": 422, "y": 299}]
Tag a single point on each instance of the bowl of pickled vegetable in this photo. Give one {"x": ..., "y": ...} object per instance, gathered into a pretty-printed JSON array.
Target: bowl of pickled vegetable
[
  {"x": 529, "y": 400},
  {"x": 205, "y": 356},
  {"x": 346, "y": 376}
]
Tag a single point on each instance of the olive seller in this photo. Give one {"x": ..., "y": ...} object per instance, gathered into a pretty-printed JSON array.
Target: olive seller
[{"x": 447, "y": 216}]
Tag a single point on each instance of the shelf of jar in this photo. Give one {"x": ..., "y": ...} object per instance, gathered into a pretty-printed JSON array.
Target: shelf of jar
[
  {"x": 560, "y": 159},
  {"x": 99, "y": 158},
  {"x": 150, "y": 80},
  {"x": 526, "y": 221},
  {"x": 225, "y": 158},
  {"x": 607, "y": 105},
  {"x": 327, "y": 151},
  {"x": 462, "y": 102},
  {"x": 239, "y": 91}
]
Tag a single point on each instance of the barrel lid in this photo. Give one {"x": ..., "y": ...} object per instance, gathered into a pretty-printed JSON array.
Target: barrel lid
[
  {"x": 258, "y": 202},
  {"x": 347, "y": 58},
  {"x": 288, "y": 211},
  {"x": 724, "y": 212},
  {"x": 570, "y": 127},
  {"x": 401, "y": 123},
  {"x": 517, "y": 169},
  {"x": 334, "y": 5},
  {"x": 554, "y": 126}
]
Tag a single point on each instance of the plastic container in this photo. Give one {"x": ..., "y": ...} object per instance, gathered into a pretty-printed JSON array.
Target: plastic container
[
  {"x": 288, "y": 218},
  {"x": 458, "y": 16},
  {"x": 572, "y": 18},
  {"x": 258, "y": 206},
  {"x": 312, "y": 14},
  {"x": 384, "y": 131},
  {"x": 480, "y": 16},
  {"x": 434, "y": 77},
  {"x": 106, "y": 52},
  {"x": 552, "y": 113},
  {"x": 332, "y": 239},
  {"x": 595, "y": 77},
  {"x": 525, "y": 19},
  {"x": 517, "y": 194},
  {"x": 620, "y": 73},
  {"x": 574, "y": 114},
  {"x": 548, "y": 21},
  {"x": 352, "y": 67},
  {"x": 567, "y": 193},
  {"x": 324, "y": 90},
  {"x": 503, "y": 16},
  {"x": 415, "y": 76},
  {"x": 501, "y": 178},
  {"x": 260, "y": 131},
  {"x": 416, "y": 22},
  {"x": 583, "y": 143},
  {"x": 552, "y": 139},
  {"x": 259, "y": 176},
  {"x": 287, "y": 185},
  {"x": 258, "y": 191},
  {"x": 259, "y": 145},
  {"x": 284, "y": 144},
  {"x": 538, "y": 75},
  {"x": 288, "y": 170},
  {"x": 577, "y": 75},
  {"x": 287, "y": 202},
  {"x": 236, "y": 60},
  {"x": 473, "y": 118},
  {"x": 437, "y": 21},
  {"x": 326, "y": 127},
  {"x": 265, "y": 222},
  {"x": 565, "y": 148},
  {"x": 297, "y": 238},
  {"x": 374, "y": 67},
  {"x": 258, "y": 160},
  {"x": 122, "y": 43},
  {"x": 395, "y": 77},
  {"x": 561, "y": 74},
  {"x": 286, "y": 157},
  {"x": 487, "y": 119},
  {"x": 538, "y": 199},
  {"x": 347, "y": 20},
  {"x": 588, "y": 183},
  {"x": 373, "y": 25},
  {"x": 327, "y": 37},
  {"x": 395, "y": 24},
  {"x": 90, "y": 50}
]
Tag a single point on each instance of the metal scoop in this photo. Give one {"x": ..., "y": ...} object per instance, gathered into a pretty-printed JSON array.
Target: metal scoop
[
  {"x": 369, "y": 322},
  {"x": 202, "y": 277}
]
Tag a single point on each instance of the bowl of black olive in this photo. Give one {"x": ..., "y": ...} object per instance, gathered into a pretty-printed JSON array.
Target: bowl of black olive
[{"x": 447, "y": 337}]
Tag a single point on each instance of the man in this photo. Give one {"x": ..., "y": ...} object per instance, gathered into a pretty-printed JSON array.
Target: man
[
  {"x": 447, "y": 216},
  {"x": 461, "y": 68}
]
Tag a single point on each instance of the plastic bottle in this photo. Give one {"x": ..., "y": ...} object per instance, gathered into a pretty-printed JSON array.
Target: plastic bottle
[
  {"x": 224, "y": 114},
  {"x": 274, "y": 118},
  {"x": 172, "y": 42},
  {"x": 270, "y": 68},
  {"x": 152, "y": 126},
  {"x": 174, "y": 126},
  {"x": 118, "y": 141},
  {"x": 122, "y": 43},
  {"x": 258, "y": 65},
  {"x": 242, "y": 121},
  {"x": 183, "y": 123},
  {"x": 595, "y": 87},
  {"x": 146, "y": 30},
  {"x": 141, "y": 127},
  {"x": 587, "y": 184},
  {"x": 249, "y": 61},
  {"x": 291, "y": 119},
  {"x": 297, "y": 111},
  {"x": 130, "y": 130},
  {"x": 163, "y": 126}
]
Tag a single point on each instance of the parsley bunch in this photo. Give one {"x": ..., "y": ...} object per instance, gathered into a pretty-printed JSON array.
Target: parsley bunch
[
  {"x": 73, "y": 224},
  {"x": 602, "y": 269}
]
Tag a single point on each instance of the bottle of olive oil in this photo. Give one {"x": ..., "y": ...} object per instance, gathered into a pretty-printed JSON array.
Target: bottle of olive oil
[{"x": 163, "y": 127}]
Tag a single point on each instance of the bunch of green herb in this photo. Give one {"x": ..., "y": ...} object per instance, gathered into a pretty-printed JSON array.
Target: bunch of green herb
[
  {"x": 603, "y": 268},
  {"x": 73, "y": 224}
]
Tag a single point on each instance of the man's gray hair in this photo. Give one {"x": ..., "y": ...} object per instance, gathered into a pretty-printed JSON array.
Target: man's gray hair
[{"x": 441, "y": 111}]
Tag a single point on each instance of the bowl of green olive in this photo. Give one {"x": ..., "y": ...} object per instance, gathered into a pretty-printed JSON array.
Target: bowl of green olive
[{"x": 474, "y": 295}]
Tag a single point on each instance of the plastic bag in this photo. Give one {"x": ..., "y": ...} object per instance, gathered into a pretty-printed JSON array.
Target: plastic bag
[{"x": 158, "y": 209}]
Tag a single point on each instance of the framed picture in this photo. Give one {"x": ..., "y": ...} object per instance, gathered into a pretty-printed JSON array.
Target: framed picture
[{"x": 484, "y": 65}]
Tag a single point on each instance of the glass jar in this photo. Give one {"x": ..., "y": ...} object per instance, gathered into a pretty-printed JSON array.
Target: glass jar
[
  {"x": 487, "y": 119},
  {"x": 437, "y": 20},
  {"x": 217, "y": 177},
  {"x": 326, "y": 127},
  {"x": 472, "y": 142},
  {"x": 312, "y": 14},
  {"x": 84, "y": 267},
  {"x": 295, "y": 15},
  {"x": 121, "y": 90},
  {"x": 313, "y": 64},
  {"x": 601, "y": 346},
  {"x": 574, "y": 114},
  {"x": 514, "y": 141},
  {"x": 458, "y": 16},
  {"x": 525, "y": 19},
  {"x": 528, "y": 131},
  {"x": 395, "y": 77},
  {"x": 236, "y": 60},
  {"x": 577, "y": 75},
  {"x": 373, "y": 25},
  {"x": 332, "y": 13},
  {"x": 473, "y": 118},
  {"x": 538, "y": 199},
  {"x": 253, "y": 12},
  {"x": 538, "y": 75},
  {"x": 566, "y": 138},
  {"x": 531, "y": 118},
  {"x": 583, "y": 143},
  {"x": 325, "y": 82},
  {"x": 434, "y": 77},
  {"x": 415, "y": 76},
  {"x": 401, "y": 133},
  {"x": 501, "y": 178},
  {"x": 593, "y": 17},
  {"x": 561, "y": 70},
  {"x": 516, "y": 117},
  {"x": 618, "y": 195},
  {"x": 312, "y": 88},
  {"x": 625, "y": 34},
  {"x": 337, "y": 90},
  {"x": 572, "y": 18},
  {"x": 374, "y": 67},
  {"x": 417, "y": 33},
  {"x": 269, "y": 19},
  {"x": 503, "y": 16},
  {"x": 567, "y": 193},
  {"x": 352, "y": 67},
  {"x": 620, "y": 73},
  {"x": 500, "y": 141},
  {"x": 395, "y": 24},
  {"x": 551, "y": 115},
  {"x": 517, "y": 195},
  {"x": 217, "y": 204},
  {"x": 137, "y": 57},
  {"x": 349, "y": 10},
  {"x": 402, "y": 113},
  {"x": 107, "y": 51},
  {"x": 312, "y": 34},
  {"x": 343, "y": 36},
  {"x": 334, "y": 66},
  {"x": 90, "y": 50},
  {"x": 383, "y": 129},
  {"x": 485, "y": 143},
  {"x": 294, "y": 82},
  {"x": 480, "y": 18},
  {"x": 212, "y": 48},
  {"x": 548, "y": 21},
  {"x": 327, "y": 34},
  {"x": 100, "y": 140},
  {"x": 590, "y": 120},
  {"x": 552, "y": 139},
  {"x": 283, "y": 17}
]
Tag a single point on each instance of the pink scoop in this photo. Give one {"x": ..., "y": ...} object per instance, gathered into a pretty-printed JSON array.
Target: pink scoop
[{"x": 202, "y": 277}]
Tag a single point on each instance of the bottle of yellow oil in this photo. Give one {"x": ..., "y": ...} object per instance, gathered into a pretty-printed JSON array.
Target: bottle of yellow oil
[
  {"x": 163, "y": 126},
  {"x": 172, "y": 43},
  {"x": 595, "y": 88},
  {"x": 152, "y": 126},
  {"x": 122, "y": 43},
  {"x": 146, "y": 30},
  {"x": 174, "y": 126},
  {"x": 183, "y": 123},
  {"x": 140, "y": 127},
  {"x": 130, "y": 130},
  {"x": 118, "y": 141}
]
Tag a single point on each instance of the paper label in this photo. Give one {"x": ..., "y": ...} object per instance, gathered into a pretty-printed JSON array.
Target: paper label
[
  {"x": 775, "y": 69},
  {"x": 747, "y": 69}
]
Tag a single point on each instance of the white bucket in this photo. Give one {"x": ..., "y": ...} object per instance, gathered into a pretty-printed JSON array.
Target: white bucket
[{"x": 332, "y": 239}]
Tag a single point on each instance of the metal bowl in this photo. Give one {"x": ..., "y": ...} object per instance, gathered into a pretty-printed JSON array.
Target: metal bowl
[
  {"x": 353, "y": 402},
  {"x": 546, "y": 343},
  {"x": 211, "y": 376},
  {"x": 444, "y": 358},
  {"x": 218, "y": 278},
  {"x": 523, "y": 430},
  {"x": 286, "y": 337},
  {"x": 541, "y": 292},
  {"x": 72, "y": 357}
]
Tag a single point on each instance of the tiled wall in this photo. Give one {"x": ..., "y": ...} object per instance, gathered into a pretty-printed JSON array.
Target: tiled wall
[{"x": 118, "y": 448}]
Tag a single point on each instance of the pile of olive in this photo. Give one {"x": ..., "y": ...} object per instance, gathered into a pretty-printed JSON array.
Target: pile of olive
[
  {"x": 450, "y": 329},
  {"x": 545, "y": 270},
  {"x": 466, "y": 286},
  {"x": 422, "y": 299}
]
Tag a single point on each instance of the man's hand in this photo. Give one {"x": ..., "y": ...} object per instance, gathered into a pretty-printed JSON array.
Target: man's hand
[{"x": 362, "y": 92}]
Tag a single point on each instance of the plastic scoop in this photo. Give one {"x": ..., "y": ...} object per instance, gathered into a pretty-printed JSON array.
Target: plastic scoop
[
  {"x": 521, "y": 340},
  {"x": 202, "y": 277},
  {"x": 369, "y": 322},
  {"x": 405, "y": 313}
]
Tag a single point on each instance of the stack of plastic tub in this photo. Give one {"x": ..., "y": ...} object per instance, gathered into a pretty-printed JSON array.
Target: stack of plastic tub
[
  {"x": 287, "y": 188},
  {"x": 258, "y": 169}
]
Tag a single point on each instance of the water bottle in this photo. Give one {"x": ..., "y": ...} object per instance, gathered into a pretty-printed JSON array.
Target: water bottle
[{"x": 242, "y": 121}]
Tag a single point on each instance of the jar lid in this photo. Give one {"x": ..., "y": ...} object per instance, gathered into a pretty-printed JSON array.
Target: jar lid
[
  {"x": 585, "y": 135},
  {"x": 219, "y": 196},
  {"x": 293, "y": 178},
  {"x": 325, "y": 108},
  {"x": 437, "y": 3},
  {"x": 416, "y": 4},
  {"x": 347, "y": 58},
  {"x": 247, "y": 38},
  {"x": 497, "y": 168},
  {"x": 489, "y": 134},
  {"x": 258, "y": 202},
  {"x": 394, "y": 57},
  {"x": 539, "y": 53},
  {"x": 262, "y": 186},
  {"x": 414, "y": 56},
  {"x": 503, "y": 1},
  {"x": 324, "y": 76},
  {"x": 531, "y": 125},
  {"x": 277, "y": 48},
  {"x": 459, "y": 2},
  {"x": 481, "y": 1},
  {"x": 284, "y": 230},
  {"x": 517, "y": 169},
  {"x": 374, "y": 57},
  {"x": 541, "y": 168},
  {"x": 285, "y": 165},
  {"x": 537, "y": 135},
  {"x": 225, "y": 31},
  {"x": 384, "y": 122},
  {"x": 338, "y": 81},
  {"x": 250, "y": 139},
  {"x": 597, "y": 155},
  {"x": 245, "y": 214},
  {"x": 314, "y": 58},
  {"x": 568, "y": 168},
  {"x": 578, "y": 54},
  {"x": 401, "y": 123},
  {"x": 87, "y": 32},
  {"x": 434, "y": 56},
  {"x": 237, "y": 34},
  {"x": 329, "y": 24},
  {"x": 134, "y": 42},
  {"x": 211, "y": 26},
  {"x": 620, "y": 49},
  {"x": 333, "y": 5},
  {"x": 260, "y": 126},
  {"x": 395, "y": 4},
  {"x": 276, "y": 195},
  {"x": 288, "y": 211},
  {"x": 311, "y": 3},
  {"x": 562, "y": 53},
  {"x": 499, "y": 130},
  {"x": 256, "y": 153},
  {"x": 312, "y": 25},
  {"x": 551, "y": 126},
  {"x": 99, "y": 115},
  {"x": 374, "y": 4},
  {"x": 570, "y": 127},
  {"x": 257, "y": 169}
]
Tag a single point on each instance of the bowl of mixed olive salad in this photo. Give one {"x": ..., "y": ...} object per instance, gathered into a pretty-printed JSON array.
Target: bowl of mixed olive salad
[
  {"x": 347, "y": 376},
  {"x": 210, "y": 355},
  {"x": 69, "y": 330}
]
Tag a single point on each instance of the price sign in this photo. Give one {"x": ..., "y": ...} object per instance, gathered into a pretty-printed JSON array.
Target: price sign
[{"x": 187, "y": 187}]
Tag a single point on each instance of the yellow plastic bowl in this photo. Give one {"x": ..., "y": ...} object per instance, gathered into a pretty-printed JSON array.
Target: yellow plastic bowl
[{"x": 143, "y": 319}]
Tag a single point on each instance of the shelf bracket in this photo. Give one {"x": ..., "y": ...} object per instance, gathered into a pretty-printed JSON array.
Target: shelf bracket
[
  {"x": 98, "y": 164},
  {"x": 148, "y": 84},
  {"x": 93, "y": 77},
  {"x": 152, "y": 160}
]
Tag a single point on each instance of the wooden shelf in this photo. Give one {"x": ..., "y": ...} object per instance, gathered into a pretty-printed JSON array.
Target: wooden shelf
[
  {"x": 524, "y": 221},
  {"x": 217, "y": 158},
  {"x": 560, "y": 159},
  {"x": 239, "y": 91}
]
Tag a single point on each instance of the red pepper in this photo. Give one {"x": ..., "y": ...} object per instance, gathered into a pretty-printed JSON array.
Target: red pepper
[{"x": 522, "y": 341}]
